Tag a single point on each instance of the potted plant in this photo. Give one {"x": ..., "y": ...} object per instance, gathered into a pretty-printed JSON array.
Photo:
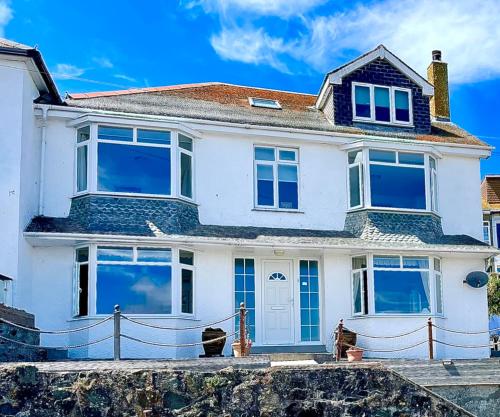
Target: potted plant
[
  {"x": 354, "y": 354},
  {"x": 215, "y": 348},
  {"x": 237, "y": 348}
]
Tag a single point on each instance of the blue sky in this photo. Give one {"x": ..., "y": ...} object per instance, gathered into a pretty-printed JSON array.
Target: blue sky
[{"x": 281, "y": 44}]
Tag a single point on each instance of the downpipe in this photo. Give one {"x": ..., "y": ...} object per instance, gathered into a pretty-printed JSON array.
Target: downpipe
[{"x": 41, "y": 194}]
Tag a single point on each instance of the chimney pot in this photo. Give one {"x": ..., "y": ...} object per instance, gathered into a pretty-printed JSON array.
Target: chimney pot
[{"x": 436, "y": 55}]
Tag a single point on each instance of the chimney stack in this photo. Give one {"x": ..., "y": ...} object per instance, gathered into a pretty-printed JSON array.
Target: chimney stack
[{"x": 437, "y": 75}]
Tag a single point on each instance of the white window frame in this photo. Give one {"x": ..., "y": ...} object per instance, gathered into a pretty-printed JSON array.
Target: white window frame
[
  {"x": 366, "y": 181},
  {"x": 392, "y": 104},
  {"x": 361, "y": 287},
  {"x": 277, "y": 161},
  {"x": 253, "y": 102},
  {"x": 487, "y": 226},
  {"x": 6, "y": 289},
  {"x": 191, "y": 155},
  {"x": 87, "y": 144},
  {"x": 76, "y": 281},
  {"x": 359, "y": 165},
  {"x": 93, "y": 163},
  {"x": 182, "y": 266}
]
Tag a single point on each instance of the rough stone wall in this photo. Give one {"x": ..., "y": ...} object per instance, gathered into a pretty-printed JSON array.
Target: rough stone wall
[
  {"x": 272, "y": 392},
  {"x": 481, "y": 400}
]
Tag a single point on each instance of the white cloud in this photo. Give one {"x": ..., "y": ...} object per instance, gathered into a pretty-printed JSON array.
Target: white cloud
[
  {"x": 67, "y": 71},
  {"x": 125, "y": 77},
  {"x": 467, "y": 32},
  {"x": 6, "y": 14},
  {"x": 103, "y": 62},
  {"x": 281, "y": 8}
]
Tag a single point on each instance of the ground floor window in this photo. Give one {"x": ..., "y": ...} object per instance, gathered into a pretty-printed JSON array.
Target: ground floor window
[
  {"x": 139, "y": 279},
  {"x": 400, "y": 285},
  {"x": 244, "y": 292},
  {"x": 309, "y": 301}
]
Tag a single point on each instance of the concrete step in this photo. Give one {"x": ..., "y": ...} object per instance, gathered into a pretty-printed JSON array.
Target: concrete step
[{"x": 288, "y": 349}]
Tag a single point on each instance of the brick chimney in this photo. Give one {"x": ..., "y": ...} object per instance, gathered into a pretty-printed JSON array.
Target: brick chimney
[{"x": 437, "y": 75}]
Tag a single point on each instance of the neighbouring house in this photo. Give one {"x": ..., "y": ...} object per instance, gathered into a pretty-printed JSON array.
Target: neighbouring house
[
  {"x": 359, "y": 203},
  {"x": 490, "y": 194}
]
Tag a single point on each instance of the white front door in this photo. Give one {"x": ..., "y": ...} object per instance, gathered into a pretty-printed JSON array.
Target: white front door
[{"x": 277, "y": 304}]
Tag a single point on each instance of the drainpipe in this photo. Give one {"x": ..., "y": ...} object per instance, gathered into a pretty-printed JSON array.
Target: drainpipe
[{"x": 42, "y": 161}]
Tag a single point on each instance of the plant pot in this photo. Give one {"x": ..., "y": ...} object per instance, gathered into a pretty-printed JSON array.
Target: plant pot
[
  {"x": 349, "y": 338},
  {"x": 237, "y": 349},
  {"x": 215, "y": 348},
  {"x": 354, "y": 354}
]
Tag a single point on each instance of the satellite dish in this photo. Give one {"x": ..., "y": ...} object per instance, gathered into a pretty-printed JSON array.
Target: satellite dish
[{"x": 476, "y": 279}]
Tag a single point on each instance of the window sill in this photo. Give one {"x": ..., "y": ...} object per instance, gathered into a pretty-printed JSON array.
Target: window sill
[
  {"x": 136, "y": 195},
  {"x": 139, "y": 316},
  {"x": 278, "y": 210},
  {"x": 397, "y": 315},
  {"x": 377, "y": 122},
  {"x": 392, "y": 210}
]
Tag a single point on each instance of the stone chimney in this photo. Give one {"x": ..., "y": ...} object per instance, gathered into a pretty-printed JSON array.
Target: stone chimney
[{"x": 437, "y": 75}]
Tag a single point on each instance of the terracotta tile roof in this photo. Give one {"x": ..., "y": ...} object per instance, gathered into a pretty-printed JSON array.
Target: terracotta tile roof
[
  {"x": 490, "y": 192},
  {"x": 229, "y": 103}
]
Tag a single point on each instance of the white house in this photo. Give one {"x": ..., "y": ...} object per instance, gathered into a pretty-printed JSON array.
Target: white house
[
  {"x": 490, "y": 193},
  {"x": 360, "y": 203}
]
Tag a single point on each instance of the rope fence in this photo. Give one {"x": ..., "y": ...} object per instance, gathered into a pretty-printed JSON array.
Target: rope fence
[
  {"x": 241, "y": 334},
  {"x": 340, "y": 341}
]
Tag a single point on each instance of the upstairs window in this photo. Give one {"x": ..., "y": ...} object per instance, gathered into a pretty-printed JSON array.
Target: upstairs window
[
  {"x": 264, "y": 102},
  {"x": 82, "y": 155},
  {"x": 394, "y": 179},
  {"x": 276, "y": 178},
  {"x": 381, "y": 104}
]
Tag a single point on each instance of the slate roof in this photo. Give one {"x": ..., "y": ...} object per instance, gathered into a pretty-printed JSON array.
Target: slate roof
[
  {"x": 160, "y": 218},
  {"x": 229, "y": 103}
]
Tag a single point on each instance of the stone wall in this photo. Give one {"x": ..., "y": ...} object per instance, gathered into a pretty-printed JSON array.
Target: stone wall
[
  {"x": 272, "y": 392},
  {"x": 481, "y": 400}
]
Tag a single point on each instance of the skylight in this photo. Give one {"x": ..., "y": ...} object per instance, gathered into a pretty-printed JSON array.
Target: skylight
[{"x": 264, "y": 102}]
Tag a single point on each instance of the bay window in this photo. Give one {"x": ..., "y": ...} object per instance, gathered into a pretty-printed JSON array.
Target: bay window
[
  {"x": 395, "y": 284},
  {"x": 381, "y": 104},
  {"x": 134, "y": 161},
  {"x": 141, "y": 280},
  {"x": 276, "y": 178},
  {"x": 394, "y": 180}
]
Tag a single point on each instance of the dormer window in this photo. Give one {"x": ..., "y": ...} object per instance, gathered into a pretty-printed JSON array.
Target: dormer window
[
  {"x": 381, "y": 104},
  {"x": 264, "y": 102}
]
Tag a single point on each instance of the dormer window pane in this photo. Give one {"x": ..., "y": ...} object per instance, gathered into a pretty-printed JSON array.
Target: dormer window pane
[
  {"x": 362, "y": 101},
  {"x": 264, "y": 154},
  {"x": 402, "y": 105},
  {"x": 382, "y": 105}
]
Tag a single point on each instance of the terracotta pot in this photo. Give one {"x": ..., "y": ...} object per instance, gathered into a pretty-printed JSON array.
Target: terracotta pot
[
  {"x": 215, "y": 348},
  {"x": 237, "y": 349},
  {"x": 354, "y": 354}
]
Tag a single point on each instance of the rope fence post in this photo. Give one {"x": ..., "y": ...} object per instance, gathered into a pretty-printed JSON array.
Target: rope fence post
[
  {"x": 117, "y": 333},
  {"x": 340, "y": 340},
  {"x": 431, "y": 339},
  {"x": 243, "y": 339}
]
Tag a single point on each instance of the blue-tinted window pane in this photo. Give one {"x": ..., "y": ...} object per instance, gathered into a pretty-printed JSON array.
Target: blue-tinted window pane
[
  {"x": 249, "y": 266},
  {"x": 239, "y": 297},
  {"x": 362, "y": 101},
  {"x": 315, "y": 317},
  {"x": 401, "y": 292},
  {"x": 185, "y": 142},
  {"x": 304, "y": 300},
  {"x": 249, "y": 299},
  {"x": 83, "y": 134},
  {"x": 314, "y": 303},
  {"x": 354, "y": 186},
  {"x": 154, "y": 255},
  {"x": 305, "y": 316},
  {"x": 239, "y": 265},
  {"x": 239, "y": 282},
  {"x": 138, "y": 289},
  {"x": 313, "y": 268},
  {"x": 313, "y": 282},
  {"x": 115, "y": 133},
  {"x": 304, "y": 267},
  {"x": 264, "y": 154},
  {"x": 133, "y": 169},
  {"x": 314, "y": 333},
  {"x": 402, "y": 104},
  {"x": 153, "y": 136},
  {"x": 81, "y": 168},
  {"x": 399, "y": 187},
  {"x": 382, "y": 156},
  {"x": 305, "y": 333},
  {"x": 382, "y": 105},
  {"x": 416, "y": 262},
  {"x": 304, "y": 284},
  {"x": 287, "y": 186},
  {"x": 186, "y": 176},
  {"x": 355, "y": 156},
  {"x": 115, "y": 254},
  {"x": 309, "y": 300},
  {"x": 287, "y": 155},
  {"x": 186, "y": 257},
  {"x": 249, "y": 283},
  {"x": 411, "y": 158},
  {"x": 386, "y": 262},
  {"x": 265, "y": 185},
  {"x": 187, "y": 291}
]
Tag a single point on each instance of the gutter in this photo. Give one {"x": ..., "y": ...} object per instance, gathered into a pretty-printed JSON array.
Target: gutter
[{"x": 36, "y": 56}]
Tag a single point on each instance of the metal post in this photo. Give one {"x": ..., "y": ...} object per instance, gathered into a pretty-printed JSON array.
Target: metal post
[
  {"x": 243, "y": 339},
  {"x": 431, "y": 340},
  {"x": 116, "y": 333},
  {"x": 340, "y": 340}
]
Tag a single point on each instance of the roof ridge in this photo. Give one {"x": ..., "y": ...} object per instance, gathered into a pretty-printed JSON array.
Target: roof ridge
[{"x": 78, "y": 96}]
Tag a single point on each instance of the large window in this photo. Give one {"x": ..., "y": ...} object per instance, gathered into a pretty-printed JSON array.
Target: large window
[
  {"x": 276, "y": 178},
  {"x": 186, "y": 261},
  {"x": 244, "y": 292},
  {"x": 129, "y": 160},
  {"x": 394, "y": 179},
  {"x": 81, "y": 302},
  {"x": 309, "y": 301},
  {"x": 381, "y": 104},
  {"x": 394, "y": 284}
]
